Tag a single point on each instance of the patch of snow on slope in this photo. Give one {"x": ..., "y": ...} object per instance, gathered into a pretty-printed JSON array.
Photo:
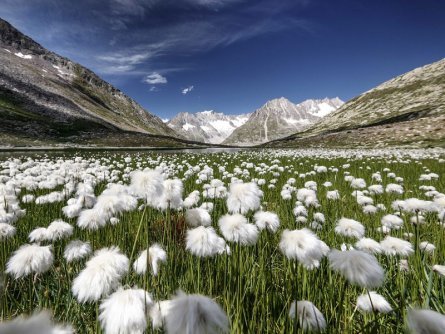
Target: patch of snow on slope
[
  {"x": 323, "y": 110},
  {"x": 21, "y": 55},
  {"x": 62, "y": 74},
  {"x": 222, "y": 126},
  {"x": 205, "y": 128},
  {"x": 239, "y": 121},
  {"x": 187, "y": 126}
]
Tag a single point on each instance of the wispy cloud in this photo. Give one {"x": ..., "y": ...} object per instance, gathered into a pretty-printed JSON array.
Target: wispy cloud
[
  {"x": 187, "y": 90},
  {"x": 133, "y": 37},
  {"x": 155, "y": 78}
]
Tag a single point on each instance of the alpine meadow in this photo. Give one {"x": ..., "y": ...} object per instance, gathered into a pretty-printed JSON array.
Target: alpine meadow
[
  {"x": 226, "y": 241},
  {"x": 222, "y": 167}
]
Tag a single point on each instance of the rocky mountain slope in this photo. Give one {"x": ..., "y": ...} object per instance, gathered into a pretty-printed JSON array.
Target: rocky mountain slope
[
  {"x": 406, "y": 110},
  {"x": 46, "y": 97},
  {"x": 206, "y": 126},
  {"x": 279, "y": 118}
]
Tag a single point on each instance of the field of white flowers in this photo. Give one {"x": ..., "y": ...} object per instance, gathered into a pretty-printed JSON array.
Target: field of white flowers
[{"x": 273, "y": 241}]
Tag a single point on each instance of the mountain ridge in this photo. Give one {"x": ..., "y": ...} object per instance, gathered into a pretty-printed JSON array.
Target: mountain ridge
[
  {"x": 279, "y": 117},
  {"x": 408, "y": 109},
  {"x": 47, "y": 94},
  {"x": 207, "y": 126}
]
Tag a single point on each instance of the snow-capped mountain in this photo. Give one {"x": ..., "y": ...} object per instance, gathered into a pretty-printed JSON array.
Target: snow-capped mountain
[
  {"x": 279, "y": 118},
  {"x": 206, "y": 126}
]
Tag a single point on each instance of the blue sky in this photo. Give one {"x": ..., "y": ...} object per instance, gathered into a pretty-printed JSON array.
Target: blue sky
[{"x": 234, "y": 55}]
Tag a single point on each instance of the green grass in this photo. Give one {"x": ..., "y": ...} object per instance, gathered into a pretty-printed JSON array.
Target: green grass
[{"x": 255, "y": 285}]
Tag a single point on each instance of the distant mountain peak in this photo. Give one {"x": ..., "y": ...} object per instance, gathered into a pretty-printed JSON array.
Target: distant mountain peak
[
  {"x": 280, "y": 117},
  {"x": 276, "y": 118},
  {"x": 206, "y": 126}
]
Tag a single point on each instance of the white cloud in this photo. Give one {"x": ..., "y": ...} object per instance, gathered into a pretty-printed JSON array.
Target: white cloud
[
  {"x": 187, "y": 90},
  {"x": 154, "y": 89},
  {"x": 155, "y": 78}
]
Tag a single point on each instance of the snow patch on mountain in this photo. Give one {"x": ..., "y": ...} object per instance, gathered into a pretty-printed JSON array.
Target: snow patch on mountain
[{"x": 21, "y": 55}]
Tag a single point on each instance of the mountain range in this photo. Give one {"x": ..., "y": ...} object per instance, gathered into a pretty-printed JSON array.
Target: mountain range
[
  {"x": 206, "y": 126},
  {"x": 277, "y": 118},
  {"x": 49, "y": 100}
]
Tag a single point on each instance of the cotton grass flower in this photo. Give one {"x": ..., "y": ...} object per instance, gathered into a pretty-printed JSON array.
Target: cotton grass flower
[
  {"x": 319, "y": 217},
  {"x": 333, "y": 195},
  {"x": 159, "y": 312},
  {"x": 439, "y": 269},
  {"x": 371, "y": 302},
  {"x": 235, "y": 228},
  {"x": 101, "y": 275},
  {"x": 427, "y": 247},
  {"x": 393, "y": 188},
  {"x": 39, "y": 234},
  {"x": 148, "y": 184},
  {"x": 6, "y": 231},
  {"x": 394, "y": 246},
  {"x": 392, "y": 221},
  {"x": 358, "y": 183},
  {"x": 243, "y": 197},
  {"x": 195, "y": 314},
  {"x": 308, "y": 197},
  {"x": 359, "y": 268},
  {"x": 364, "y": 200},
  {"x": 39, "y": 323},
  {"x": 309, "y": 316},
  {"x": 203, "y": 241},
  {"x": 425, "y": 322},
  {"x": 300, "y": 210},
  {"x": 369, "y": 209},
  {"x": 59, "y": 229},
  {"x": 414, "y": 205},
  {"x": 192, "y": 199},
  {"x": 30, "y": 259},
  {"x": 156, "y": 254},
  {"x": 91, "y": 219},
  {"x": 369, "y": 245},
  {"x": 304, "y": 246},
  {"x": 376, "y": 189},
  {"x": 196, "y": 217},
  {"x": 350, "y": 228},
  {"x": 172, "y": 196},
  {"x": 267, "y": 220},
  {"x": 125, "y": 311},
  {"x": 76, "y": 250}
]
